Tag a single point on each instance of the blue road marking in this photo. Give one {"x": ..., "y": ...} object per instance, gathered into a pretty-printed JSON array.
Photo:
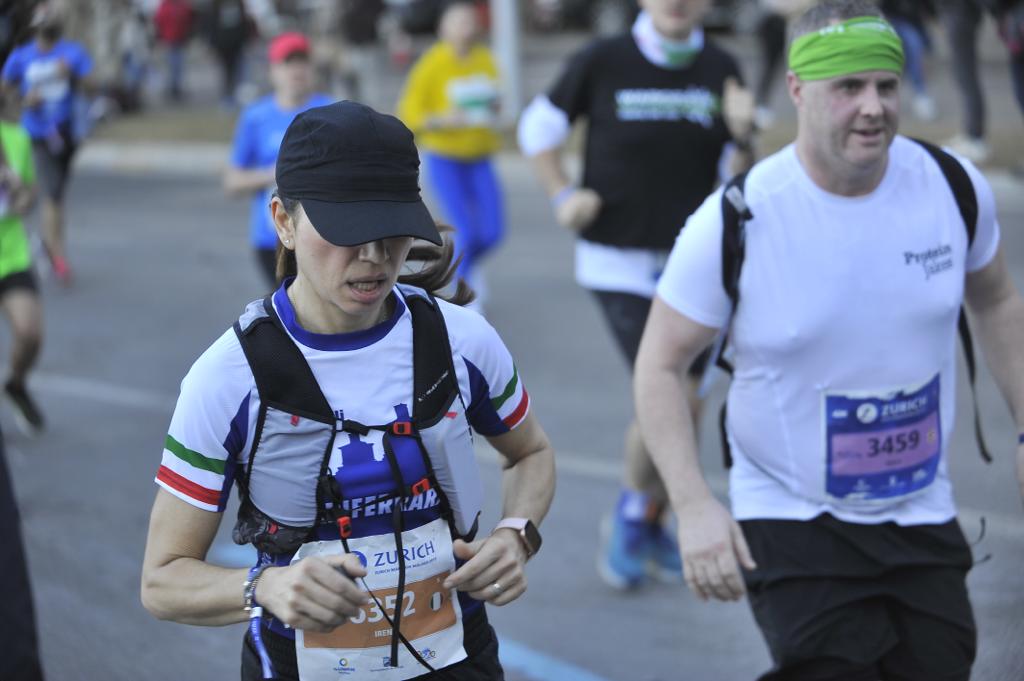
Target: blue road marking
[{"x": 538, "y": 666}]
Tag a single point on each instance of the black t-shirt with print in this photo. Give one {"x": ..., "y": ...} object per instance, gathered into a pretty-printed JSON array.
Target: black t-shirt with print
[{"x": 654, "y": 137}]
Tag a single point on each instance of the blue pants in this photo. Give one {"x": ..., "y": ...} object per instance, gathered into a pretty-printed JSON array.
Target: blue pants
[
  {"x": 175, "y": 68},
  {"x": 471, "y": 201}
]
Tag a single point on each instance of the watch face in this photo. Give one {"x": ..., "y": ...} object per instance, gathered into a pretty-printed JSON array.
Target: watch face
[{"x": 532, "y": 537}]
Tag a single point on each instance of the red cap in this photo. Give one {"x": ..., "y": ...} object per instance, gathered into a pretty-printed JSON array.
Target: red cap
[{"x": 285, "y": 45}]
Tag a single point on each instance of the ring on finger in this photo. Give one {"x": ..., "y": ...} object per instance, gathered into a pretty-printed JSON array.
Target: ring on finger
[{"x": 497, "y": 588}]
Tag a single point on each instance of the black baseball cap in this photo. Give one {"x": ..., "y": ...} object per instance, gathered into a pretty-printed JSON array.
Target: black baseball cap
[{"x": 356, "y": 173}]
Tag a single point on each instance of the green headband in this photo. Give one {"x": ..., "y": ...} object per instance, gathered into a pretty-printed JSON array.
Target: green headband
[{"x": 858, "y": 44}]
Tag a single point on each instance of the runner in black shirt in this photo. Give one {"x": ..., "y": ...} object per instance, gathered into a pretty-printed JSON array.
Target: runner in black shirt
[{"x": 665, "y": 114}]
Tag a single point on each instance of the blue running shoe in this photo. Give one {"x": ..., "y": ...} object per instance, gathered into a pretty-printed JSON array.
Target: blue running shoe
[
  {"x": 625, "y": 552},
  {"x": 666, "y": 565}
]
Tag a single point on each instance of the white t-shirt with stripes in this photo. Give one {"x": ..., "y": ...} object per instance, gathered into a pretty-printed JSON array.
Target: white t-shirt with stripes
[{"x": 366, "y": 376}]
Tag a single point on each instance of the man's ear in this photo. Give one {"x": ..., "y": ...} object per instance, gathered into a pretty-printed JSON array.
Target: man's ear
[{"x": 795, "y": 87}]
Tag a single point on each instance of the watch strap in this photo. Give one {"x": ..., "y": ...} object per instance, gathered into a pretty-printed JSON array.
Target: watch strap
[
  {"x": 249, "y": 586},
  {"x": 520, "y": 525}
]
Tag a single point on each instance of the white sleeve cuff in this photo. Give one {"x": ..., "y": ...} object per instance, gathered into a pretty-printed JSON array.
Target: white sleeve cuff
[{"x": 542, "y": 127}]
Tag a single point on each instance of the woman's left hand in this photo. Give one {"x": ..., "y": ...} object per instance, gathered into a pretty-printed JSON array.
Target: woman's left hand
[{"x": 495, "y": 569}]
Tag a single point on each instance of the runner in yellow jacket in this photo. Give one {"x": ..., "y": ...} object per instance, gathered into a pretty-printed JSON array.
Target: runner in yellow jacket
[{"x": 450, "y": 102}]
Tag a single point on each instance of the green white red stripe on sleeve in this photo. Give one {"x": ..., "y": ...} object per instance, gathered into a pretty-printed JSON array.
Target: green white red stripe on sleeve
[
  {"x": 191, "y": 476},
  {"x": 513, "y": 403}
]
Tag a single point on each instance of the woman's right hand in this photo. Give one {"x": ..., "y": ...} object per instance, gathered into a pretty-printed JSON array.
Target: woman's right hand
[{"x": 317, "y": 593}]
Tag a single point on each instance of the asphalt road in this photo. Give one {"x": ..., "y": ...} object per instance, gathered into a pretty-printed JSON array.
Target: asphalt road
[{"x": 162, "y": 268}]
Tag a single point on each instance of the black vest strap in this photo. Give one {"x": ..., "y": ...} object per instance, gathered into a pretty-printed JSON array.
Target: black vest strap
[
  {"x": 434, "y": 381},
  {"x": 283, "y": 377}
]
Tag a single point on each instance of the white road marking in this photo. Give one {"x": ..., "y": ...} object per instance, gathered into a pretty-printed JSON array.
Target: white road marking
[{"x": 1004, "y": 525}]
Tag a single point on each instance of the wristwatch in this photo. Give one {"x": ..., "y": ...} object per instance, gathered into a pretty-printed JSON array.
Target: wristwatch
[{"x": 527, "y": 532}]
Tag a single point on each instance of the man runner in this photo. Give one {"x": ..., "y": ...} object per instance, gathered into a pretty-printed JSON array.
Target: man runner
[
  {"x": 665, "y": 112},
  {"x": 843, "y": 399}
]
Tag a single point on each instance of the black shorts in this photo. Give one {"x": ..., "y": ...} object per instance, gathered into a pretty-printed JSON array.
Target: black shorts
[
  {"x": 480, "y": 643},
  {"x": 24, "y": 281},
  {"x": 839, "y": 601},
  {"x": 626, "y": 314},
  {"x": 53, "y": 162}
]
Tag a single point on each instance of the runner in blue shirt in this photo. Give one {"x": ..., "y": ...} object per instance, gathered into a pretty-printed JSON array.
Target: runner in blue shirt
[
  {"x": 259, "y": 134},
  {"x": 48, "y": 73}
]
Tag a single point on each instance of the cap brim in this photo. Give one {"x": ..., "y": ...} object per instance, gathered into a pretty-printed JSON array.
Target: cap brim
[
  {"x": 294, "y": 52},
  {"x": 358, "y": 222}
]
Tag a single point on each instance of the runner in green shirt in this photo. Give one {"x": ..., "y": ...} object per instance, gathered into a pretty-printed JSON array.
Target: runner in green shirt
[{"x": 19, "y": 295}]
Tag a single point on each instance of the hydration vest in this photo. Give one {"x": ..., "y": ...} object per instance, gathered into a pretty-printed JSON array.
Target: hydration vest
[{"x": 296, "y": 431}]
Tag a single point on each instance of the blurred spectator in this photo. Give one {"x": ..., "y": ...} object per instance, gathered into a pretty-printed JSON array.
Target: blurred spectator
[
  {"x": 1010, "y": 19},
  {"x": 173, "y": 21},
  {"x": 908, "y": 17},
  {"x": 360, "y": 55},
  {"x": 960, "y": 19},
  {"x": 228, "y": 29},
  {"x": 15, "y": 17},
  {"x": 49, "y": 74},
  {"x": 258, "y": 137},
  {"x": 20, "y": 658},
  {"x": 450, "y": 102},
  {"x": 771, "y": 35},
  {"x": 135, "y": 44}
]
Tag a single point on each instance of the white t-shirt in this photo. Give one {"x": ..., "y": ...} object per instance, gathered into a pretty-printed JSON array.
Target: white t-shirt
[
  {"x": 366, "y": 377},
  {"x": 844, "y": 338}
]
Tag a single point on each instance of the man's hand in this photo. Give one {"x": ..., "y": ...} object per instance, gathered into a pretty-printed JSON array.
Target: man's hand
[
  {"x": 738, "y": 109},
  {"x": 32, "y": 99},
  {"x": 316, "y": 593},
  {"x": 713, "y": 549},
  {"x": 495, "y": 569},
  {"x": 578, "y": 209}
]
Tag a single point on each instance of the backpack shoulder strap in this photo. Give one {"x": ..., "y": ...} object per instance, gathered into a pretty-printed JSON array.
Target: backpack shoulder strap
[
  {"x": 735, "y": 214},
  {"x": 434, "y": 381},
  {"x": 283, "y": 377},
  {"x": 959, "y": 183},
  {"x": 967, "y": 203}
]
